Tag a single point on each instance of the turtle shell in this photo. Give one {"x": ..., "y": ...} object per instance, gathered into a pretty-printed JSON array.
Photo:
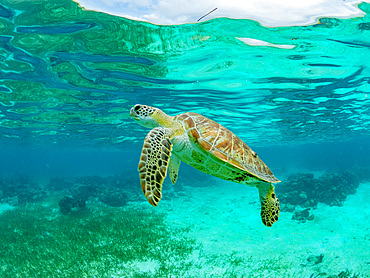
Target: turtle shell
[{"x": 225, "y": 145}]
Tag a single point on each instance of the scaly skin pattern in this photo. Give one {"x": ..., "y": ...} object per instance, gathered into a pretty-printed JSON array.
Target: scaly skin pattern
[
  {"x": 270, "y": 207},
  {"x": 215, "y": 150},
  {"x": 206, "y": 146},
  {"x": 154, "y": 160}
]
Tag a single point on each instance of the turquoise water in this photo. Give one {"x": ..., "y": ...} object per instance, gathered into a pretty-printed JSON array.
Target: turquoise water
[
  {"x": 68, "y": 78},
  {"x": 71, "y": 75}
]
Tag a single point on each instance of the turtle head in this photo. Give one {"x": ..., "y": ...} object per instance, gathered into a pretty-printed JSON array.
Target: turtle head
[{"x": 146, "y": 115}]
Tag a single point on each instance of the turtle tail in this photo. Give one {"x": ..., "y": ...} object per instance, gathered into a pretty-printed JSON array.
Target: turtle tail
[{"x": 270, "y": 206}]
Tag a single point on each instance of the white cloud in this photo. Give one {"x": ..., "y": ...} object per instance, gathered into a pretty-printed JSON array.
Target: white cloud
[{"x": 271, "y": 13}]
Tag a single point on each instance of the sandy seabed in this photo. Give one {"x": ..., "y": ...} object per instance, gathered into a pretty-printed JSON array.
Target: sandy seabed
[{"x": 225, "y": 220}]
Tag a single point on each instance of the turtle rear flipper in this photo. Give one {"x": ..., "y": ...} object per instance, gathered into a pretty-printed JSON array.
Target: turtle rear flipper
[
  {"x": 270, "y": 206},
  {"x": 173, "y": 169},
  {"x": 153, "y": 164}
]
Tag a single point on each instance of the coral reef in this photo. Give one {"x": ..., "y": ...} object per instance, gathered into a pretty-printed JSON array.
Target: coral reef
[
  {"x": 68, "y": 205},
  {"x": 20, "y": 190},
  {"x": 108, "y": 190},
  {"x": 75, "y": 192},
  {"x": 303, "y": 215},
  {"x": 306, "y": 191},
  {"x": 302, "y": 191},
  {"x": 298, "y": 189},
  {"x": 115, "y": 237},
  {"x": 58, "y": 184},
  {"x": 114, "y": 197},
  {"x": 333, "y": 188}
]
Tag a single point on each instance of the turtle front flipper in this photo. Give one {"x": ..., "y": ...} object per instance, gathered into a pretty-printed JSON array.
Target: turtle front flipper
[
  {"x": 270, "y": 206},
  {"x": 154, "y": 162},
  {"x": 174, "y": 168}
]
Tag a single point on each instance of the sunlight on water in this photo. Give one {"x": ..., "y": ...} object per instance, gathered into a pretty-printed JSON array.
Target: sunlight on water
[
  {"x": 71, "y": 202},
  {"x": 69, "y": 75}
]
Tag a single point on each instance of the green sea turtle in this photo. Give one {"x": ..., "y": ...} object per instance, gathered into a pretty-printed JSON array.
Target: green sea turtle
[{"x": 204, "y": 145}]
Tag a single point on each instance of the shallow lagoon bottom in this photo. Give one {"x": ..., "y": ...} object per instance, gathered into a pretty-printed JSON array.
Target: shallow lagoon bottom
[{"x": 203, "y": 227}]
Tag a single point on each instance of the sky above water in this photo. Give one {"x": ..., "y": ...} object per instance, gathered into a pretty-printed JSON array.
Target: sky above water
[
  {"x": 69, "y": 76},
  {"x": 270, "y": 13}
]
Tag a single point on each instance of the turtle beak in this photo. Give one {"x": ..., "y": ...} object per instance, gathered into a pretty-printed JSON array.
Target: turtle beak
[{"x": 134, "y": 115}]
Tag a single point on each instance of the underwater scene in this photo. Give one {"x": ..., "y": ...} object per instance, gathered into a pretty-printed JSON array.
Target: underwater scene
[{"x": 97, "y": 179}]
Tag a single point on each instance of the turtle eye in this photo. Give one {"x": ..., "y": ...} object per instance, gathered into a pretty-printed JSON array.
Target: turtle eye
[{"x": 137, "y": 107}]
